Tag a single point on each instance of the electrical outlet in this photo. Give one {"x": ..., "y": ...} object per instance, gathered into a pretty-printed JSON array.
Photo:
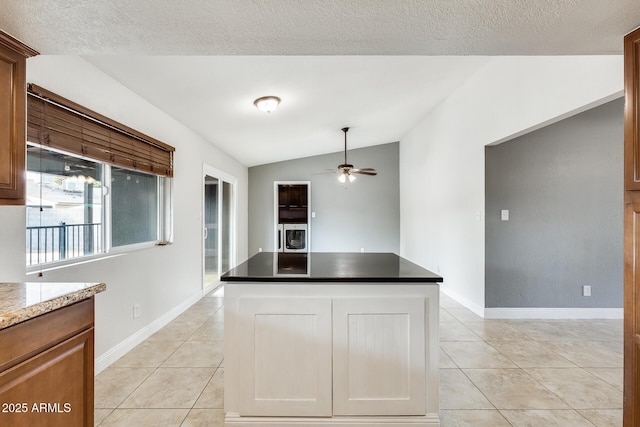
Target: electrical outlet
[
  {"x": 136, "y": 311},
  {"x": 361, "y": 249},
  {"x": 586, "y": 291},
  {"x": 259, "y": 249}
]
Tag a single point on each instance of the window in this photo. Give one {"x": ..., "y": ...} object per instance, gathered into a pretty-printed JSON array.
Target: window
[
  {"x": 93, "y": 185},
  {"x": 64, "y": 207},
  {"x": 134, "y": 211}
]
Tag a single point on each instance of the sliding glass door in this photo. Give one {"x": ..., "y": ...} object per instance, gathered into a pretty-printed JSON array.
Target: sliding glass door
[
  {"x": 218, "y": 225},
  {"x": 226, "y": 226}
]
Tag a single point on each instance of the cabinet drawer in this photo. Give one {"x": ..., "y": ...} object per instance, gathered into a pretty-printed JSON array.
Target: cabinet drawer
[{"x": 35, "y": 335}]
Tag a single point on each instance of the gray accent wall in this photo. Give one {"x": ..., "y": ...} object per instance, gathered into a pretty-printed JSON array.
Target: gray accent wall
[
  {"x": 363, "y": 214},
  {"x": 563, "y": 187}
]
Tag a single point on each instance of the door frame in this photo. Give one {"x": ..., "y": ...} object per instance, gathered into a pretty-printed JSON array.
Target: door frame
[{"x": 208, "y": 170}]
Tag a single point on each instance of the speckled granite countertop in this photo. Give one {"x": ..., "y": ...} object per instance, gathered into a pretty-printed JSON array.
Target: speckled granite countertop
[{"x": 22, "y": 301}]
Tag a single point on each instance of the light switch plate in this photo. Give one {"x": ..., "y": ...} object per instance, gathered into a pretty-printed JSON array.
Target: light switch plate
[{"x": 504, "y": 214}]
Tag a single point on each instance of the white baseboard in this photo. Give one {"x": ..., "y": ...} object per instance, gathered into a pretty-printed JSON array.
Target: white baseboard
[
  {"x": 536, "y": 312},
  {"x": 477, "y": 309},
  {"x": 429, "y": 420},
  {"x": 553, "y": 313},
  {"x": 211, "y": 288},
  {"x": 120, "y": 349}
]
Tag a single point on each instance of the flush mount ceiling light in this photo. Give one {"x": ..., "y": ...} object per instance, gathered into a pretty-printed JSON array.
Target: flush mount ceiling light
[{"x": 267, "y": 103}]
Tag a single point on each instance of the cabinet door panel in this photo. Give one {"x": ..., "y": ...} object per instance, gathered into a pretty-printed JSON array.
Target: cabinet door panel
[
  {"x": 632, "y": 229},
  {"x": 53, "y": 388},
  {"x": 12, "y": 126},
  {"x": 379, "y": 356},
  {"x": 632, "y": 111},
  {"x": 285, "y": 356},
  {"x": 632, "y": 308}
]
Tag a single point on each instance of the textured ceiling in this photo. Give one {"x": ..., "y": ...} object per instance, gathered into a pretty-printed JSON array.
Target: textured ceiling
[
  {"x": 373, "y": 65},
  {"x": 321, "y": 27}
]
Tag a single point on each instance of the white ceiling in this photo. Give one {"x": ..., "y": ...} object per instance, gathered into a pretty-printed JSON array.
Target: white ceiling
[
  {"x": 379, "y": 97},
  {"x": 313, "y": 54}
]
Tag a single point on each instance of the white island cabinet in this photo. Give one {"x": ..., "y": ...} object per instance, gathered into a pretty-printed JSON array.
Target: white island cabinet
[{"x": 308, "y": 347}]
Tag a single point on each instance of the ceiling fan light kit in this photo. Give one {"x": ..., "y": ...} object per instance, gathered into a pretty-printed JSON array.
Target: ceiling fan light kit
[
  {"x": 343, "y": 177},
  {"x": 347, "y": 170},
  {"x": 267, "y": 103}
]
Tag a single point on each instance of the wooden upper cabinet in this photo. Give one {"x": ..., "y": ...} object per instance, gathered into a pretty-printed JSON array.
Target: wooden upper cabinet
[
  {"x": 13, "y": 93},
  {"x": 632, "y": 111}
]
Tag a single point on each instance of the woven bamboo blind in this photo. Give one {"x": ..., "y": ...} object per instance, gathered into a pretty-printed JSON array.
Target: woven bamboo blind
[{"x": 53, "y": 121}]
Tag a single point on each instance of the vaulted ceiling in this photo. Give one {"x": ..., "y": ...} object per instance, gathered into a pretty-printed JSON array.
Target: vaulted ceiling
[{"x": 378, "y": 66}]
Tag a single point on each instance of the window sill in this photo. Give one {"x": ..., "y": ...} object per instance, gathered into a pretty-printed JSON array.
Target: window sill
[
  {"x": 133, "y": 248},
  {"x": 57, "y": 265},
  {"x": 114, "y": 252}
]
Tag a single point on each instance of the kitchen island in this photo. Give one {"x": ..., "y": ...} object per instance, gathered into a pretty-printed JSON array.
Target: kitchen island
[{"x": 331, "y": 339}]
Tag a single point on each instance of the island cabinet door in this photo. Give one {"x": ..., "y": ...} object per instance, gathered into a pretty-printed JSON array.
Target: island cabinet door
[
  {"x": 284, "y": 356},
  {"x": 379, "y": 356}
]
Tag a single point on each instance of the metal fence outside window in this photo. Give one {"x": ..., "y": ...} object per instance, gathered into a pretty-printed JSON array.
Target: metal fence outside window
[{"x": 64, "y": 241}]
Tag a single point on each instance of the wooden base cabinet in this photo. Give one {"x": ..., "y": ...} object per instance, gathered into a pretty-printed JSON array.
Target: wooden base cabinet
[
  {"x": 46, "y": 369},
  {"x": 336, "y": 354},
  {"x": 632, "y": 229}
]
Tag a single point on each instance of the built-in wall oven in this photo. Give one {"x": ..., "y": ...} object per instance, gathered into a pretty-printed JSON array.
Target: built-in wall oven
[{"x": 295, "y": 238}]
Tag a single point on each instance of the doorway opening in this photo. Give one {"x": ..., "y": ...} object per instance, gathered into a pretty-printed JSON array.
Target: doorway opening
[{"x": 219, "y": 226}]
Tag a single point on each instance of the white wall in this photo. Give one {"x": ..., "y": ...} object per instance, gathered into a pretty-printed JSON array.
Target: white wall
[
  {"x": 158, "y": 278},
  {"x": 442, "y": 190}
]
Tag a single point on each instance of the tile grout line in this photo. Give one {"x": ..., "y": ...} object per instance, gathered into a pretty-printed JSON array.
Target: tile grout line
[
  {"x": 156, "y": 368},
  {"x": 526, "y": 373}
]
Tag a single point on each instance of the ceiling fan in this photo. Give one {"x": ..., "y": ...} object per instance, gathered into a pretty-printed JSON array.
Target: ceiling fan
[{"x": 347, "y": 170}]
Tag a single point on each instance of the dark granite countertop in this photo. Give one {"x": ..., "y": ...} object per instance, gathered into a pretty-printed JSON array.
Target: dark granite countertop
[{"x": 329, "y": 267}]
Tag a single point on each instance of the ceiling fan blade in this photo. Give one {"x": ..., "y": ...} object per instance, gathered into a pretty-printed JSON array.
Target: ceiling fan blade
[
  {"x": 328, "y": 171},
  {"x": 367, "y": 171}
]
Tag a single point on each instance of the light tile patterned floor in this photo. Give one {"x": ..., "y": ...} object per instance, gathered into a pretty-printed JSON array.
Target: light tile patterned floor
[
  {"x": 493, "y": 372},
  {"x": 528, "y": 372},
  {"x": 174, "y": 378}
]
